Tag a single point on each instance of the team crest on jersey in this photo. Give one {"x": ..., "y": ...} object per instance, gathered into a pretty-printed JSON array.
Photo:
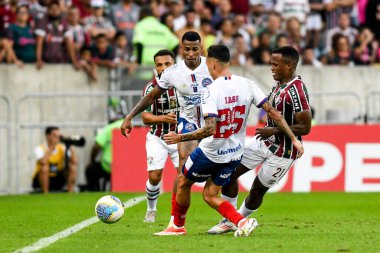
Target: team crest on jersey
[
  {"x": 278, "y": 100},
  {"x": 173, "y": 101},
  {"x": 189, "y": 127},
  {"x": 150, "y": 159},
  {"x": 206, "y": 81}
]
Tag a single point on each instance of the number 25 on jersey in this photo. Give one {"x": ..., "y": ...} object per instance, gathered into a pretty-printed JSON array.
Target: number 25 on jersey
[{"x": 230, "y": 121}]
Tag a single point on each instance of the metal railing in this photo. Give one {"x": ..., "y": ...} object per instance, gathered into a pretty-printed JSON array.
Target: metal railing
[
  {"x": 372, "y": 107},
  {"x": 353, "y": 114},
  {"x": 6, "y": 126}
]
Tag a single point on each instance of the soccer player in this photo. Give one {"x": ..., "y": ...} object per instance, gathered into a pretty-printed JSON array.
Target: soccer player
[
  {"x": 225, "y": 106},
  {"x": 162, "y": 116},
  {"x": 189, "y": 77},
  {"x": 272, "y": 147}
]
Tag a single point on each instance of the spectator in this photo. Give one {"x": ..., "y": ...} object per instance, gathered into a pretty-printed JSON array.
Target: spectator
[
  {"x": 124, "y": 57},
  {"x": 308, "y": 58},
  {"x": 199, "y": 8},
  {"x": 333, "y": 8},
  {"x": 168, "y": 20},
  {"x": 124, "y": 16},
  {"x": 151, "y": 36},
  {"x": 264, "y": 45},
  {"x": 54, "y": 41},
  {"x": 257, "y": 15},
  {"x": 222, "y": 12},
  {"x": 176, "y": 8},
  {"x": 52, "y": 169},
  {"x": 22, "y": 42},
  {"x": 87, "y": 64},
  {"x": 208, "y": 35},
  {"x": 103, "y": 147},
  {"x": 190, "y": 26},
  {"x": 84, "y": 7},
  {"x": 96, "y": 23},
  {"x": 77, "y": 32},
  {"x": 273, "y": 28},
  {"x": 293, "y": 32},
  {"x": 293, "y": 8},
  {"x": 244, "y": 29},
  {"x": 372, "y": 14},
  {"x": 281, "y": 40},
  {"x": 344, "y": 27},
  {"x": 240, "y": 56},
  {"x": 365, "y": 47},
  {"x": 314, "y": 23},
  {"x": 102, "y": 52},
  {"x": 341, "y": 52},
  {"x": 226, "y": 33}
]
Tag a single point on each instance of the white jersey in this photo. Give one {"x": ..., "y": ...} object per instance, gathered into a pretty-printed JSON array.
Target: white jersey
[
  {"x": 189, "y": 85},
  {"x": 229, "y": 100}
]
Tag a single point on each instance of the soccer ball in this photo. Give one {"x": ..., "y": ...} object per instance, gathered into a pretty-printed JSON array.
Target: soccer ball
[{"x": 109, "y": 209}]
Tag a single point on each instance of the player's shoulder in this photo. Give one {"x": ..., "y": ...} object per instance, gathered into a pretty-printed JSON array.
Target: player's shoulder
[
  {"x": 171, "y": 70},
  {"x": 150, "y": 85},
  {"x": 297, "y": 82}
]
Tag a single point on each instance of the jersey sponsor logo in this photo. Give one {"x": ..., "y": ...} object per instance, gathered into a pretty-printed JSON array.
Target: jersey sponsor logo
[
  {"x": 296, "y": 102},
  {"x": 205, "y": 95},
  {"x": 229, "y": 150},
  {"x": 227, "y": 175},
  {"x": 150, "y": 159},
  {"x": 206, "y": 81},
  {"x": 192, "y": 99},
  {"x": 189, "y": 127},
  {"x": 200, "y": 175}
]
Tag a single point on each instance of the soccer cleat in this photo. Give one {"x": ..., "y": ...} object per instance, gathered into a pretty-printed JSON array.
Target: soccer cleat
[
  {"x": 172, "y": 231},
  {"x": 246, "y": 226},
  {"x": 223, "y": 226},
  {"x": 150, "y": 216}
]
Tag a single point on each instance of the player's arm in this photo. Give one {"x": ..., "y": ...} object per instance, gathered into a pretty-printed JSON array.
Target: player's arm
[
  {"x": 146, "y": 101},
  {"x": 206, "y": 131},
  {"x": 149, "y": 118},
  {"x": 302, "y": 126},
  {"x": 282, "y": 125}
]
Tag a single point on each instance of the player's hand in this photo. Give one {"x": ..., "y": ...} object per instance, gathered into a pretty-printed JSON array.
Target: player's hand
[
  {"x": 126, "y": 127},
  {"x": 171, "y": 138},
  {"x": 298, "y": 146},
  {"x": 263, "y": 133},
  {"x": 170, "y": 118}
]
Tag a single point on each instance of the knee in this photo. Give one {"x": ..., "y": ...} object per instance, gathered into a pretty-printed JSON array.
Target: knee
[
  {"x": 44, "y": 169},
  {"x": 208, "y": 197},
  {"x": 155, "y": 177}
]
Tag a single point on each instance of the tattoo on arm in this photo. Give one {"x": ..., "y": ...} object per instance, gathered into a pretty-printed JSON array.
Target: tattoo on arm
[
  {"x": 145, "y": 102},
  {"x": 279, "y": 120},
  {"x": 206, "y": 131}
]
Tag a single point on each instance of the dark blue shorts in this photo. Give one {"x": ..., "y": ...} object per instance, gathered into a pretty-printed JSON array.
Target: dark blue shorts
[
  {"x": 185, "y": 126},
  {"x": 198, "y": 168}
]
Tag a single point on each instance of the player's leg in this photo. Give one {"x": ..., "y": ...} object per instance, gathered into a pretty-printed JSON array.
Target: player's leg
[
  {"x": 152, "y": 190},
  {"x": 156, "y": 159},
  {"x": 43, "y": 177},
  {"x": 211, "y": 196},
  {"x": 271, "y": 172},
  {"x": 252, "y": 157}
]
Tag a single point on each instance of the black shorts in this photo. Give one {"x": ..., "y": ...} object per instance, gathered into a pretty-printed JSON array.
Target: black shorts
[{"x": 55, "y": 183}]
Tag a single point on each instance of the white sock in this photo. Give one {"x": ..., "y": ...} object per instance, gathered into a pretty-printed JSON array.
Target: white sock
[
  {"x": 233, "y": 201},
  {"x": 152, "y": 193},
  {"x": 243, "y": 210}
]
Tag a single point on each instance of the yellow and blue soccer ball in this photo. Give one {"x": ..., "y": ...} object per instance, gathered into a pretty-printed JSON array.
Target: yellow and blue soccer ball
[{"x": 109, "y": 209}]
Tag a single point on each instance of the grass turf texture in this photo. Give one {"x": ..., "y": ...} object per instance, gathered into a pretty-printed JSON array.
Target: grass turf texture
[{"x": 289, "y": 222}]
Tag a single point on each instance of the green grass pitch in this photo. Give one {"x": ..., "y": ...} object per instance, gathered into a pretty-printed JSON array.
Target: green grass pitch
[{"x": 289, "y": 222}]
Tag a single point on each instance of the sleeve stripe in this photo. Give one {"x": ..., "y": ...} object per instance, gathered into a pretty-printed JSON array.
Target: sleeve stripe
[
  {"x": 207, "y": 115},
  {"x": 262, "y": 102}
]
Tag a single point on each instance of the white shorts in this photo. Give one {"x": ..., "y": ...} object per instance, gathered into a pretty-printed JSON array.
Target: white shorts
[
  {"x": 273, "y": 167},
  {"x": 157, "y": 152},
  {"x": 314, "y": 22}
]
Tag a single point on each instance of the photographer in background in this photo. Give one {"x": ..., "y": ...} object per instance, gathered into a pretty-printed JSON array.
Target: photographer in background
[{"x": 54, "y": 166}]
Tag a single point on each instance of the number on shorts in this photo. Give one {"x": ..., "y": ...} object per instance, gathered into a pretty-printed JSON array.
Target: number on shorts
[
  {"x": 279, "y": 173},
  {"x": 230, "y": 122}
]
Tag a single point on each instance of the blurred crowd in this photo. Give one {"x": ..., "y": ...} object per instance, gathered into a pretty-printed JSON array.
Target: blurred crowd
[{"x": 126, "y": 33}]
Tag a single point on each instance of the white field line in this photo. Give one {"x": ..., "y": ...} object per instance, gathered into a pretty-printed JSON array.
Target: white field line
[{"x": 46, "y": 241}]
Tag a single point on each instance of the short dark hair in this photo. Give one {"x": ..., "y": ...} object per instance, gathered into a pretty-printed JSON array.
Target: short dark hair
[
  {"x": 50, "y": 129},
  {"x": 219, "y": 52},
  {"x": 191, "y": 36},
  {"x": 163, "y": 52},
  {"x": 289, "y": 54},
  {"x": 101, "y": 36},
  {"x": 119, "y": 34},
  {"x": 145, "y": 11}
]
